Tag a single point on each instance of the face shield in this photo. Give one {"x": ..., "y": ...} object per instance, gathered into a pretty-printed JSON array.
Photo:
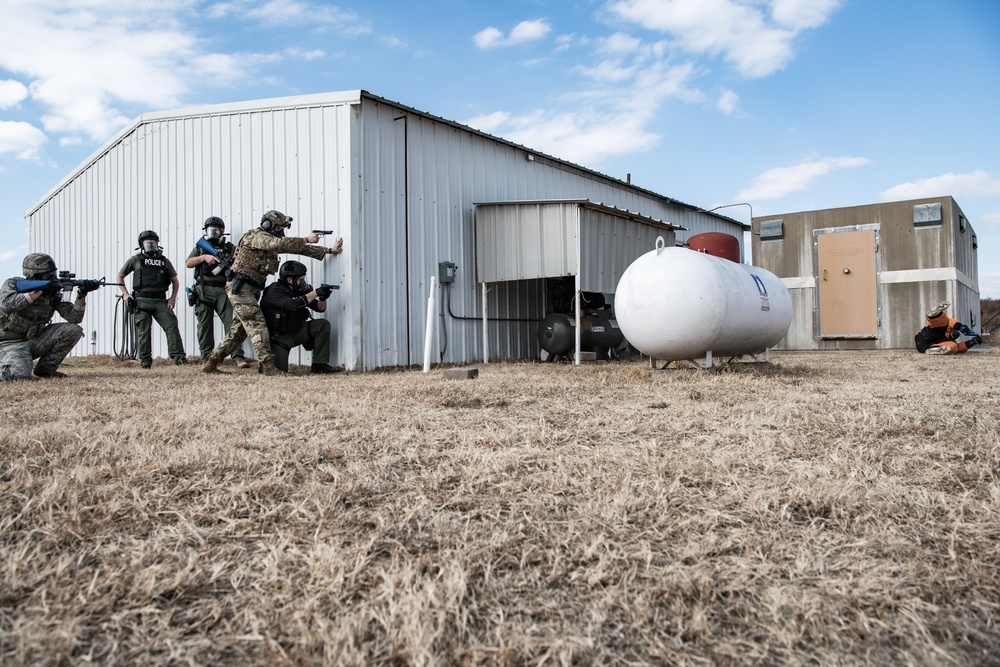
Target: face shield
[
  {"x": 213, "y": 233},
  {"x": 150, "y": 246}
]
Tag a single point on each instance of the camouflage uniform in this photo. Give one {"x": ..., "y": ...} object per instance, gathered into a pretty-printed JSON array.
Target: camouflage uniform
[
  {"x": 26, "y": 335},
  {"x": 256, "y": 258},
  {"x": 211, "y": 300}
]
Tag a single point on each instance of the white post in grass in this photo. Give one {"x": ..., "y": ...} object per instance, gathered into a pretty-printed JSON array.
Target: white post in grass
[{"x": 429, "y": 329}]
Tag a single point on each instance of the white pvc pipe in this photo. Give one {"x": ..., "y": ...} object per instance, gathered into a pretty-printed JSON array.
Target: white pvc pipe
[
  {"x": 429, "y": 330},
  {"x": 486, "y": 331}
]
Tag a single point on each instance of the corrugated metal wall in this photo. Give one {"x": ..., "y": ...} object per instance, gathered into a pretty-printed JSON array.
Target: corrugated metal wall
[
  {"x": 397, "y": 184},
  {"x": 420, "y": 179},
  {"x": 169, "y": 174}
]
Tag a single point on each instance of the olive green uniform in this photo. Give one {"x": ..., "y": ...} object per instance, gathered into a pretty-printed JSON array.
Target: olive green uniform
[{"x": 150, "y": 285}]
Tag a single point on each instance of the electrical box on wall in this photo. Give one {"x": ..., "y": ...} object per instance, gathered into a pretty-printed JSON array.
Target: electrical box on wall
[{"x": 446, "y": 272}]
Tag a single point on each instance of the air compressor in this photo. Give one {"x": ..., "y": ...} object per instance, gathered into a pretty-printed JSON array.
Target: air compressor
[{"x": 599, "y": 333}]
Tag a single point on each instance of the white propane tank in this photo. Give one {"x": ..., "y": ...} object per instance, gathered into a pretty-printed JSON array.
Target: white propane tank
[{"x": 677, "y": 304}]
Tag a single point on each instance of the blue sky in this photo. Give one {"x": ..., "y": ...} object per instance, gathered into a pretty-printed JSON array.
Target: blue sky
[{"x": 786, "y": 104}]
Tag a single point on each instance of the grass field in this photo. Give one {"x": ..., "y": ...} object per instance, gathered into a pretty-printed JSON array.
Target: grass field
[{"x": 826, "y": 509}]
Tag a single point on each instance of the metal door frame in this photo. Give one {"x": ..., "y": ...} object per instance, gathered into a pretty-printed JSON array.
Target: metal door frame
[{"x": 878, "y": 279}]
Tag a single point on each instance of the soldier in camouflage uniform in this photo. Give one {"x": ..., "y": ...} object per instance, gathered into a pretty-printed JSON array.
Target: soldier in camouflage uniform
[
  {"x": 25, "y": 331},
  {"x": 210, "y": 298},
  {"x": 256, "y": 258},
  {"x": 153, "y": 275}
]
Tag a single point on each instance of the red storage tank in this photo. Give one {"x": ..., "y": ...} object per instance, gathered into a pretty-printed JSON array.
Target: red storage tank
[{"x": 717, "y": 244}]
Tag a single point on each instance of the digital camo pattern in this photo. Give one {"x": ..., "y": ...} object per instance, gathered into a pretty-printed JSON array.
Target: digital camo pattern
[
  {"x": 50, "y": 347},
  {"x": 20, "y": 316}
]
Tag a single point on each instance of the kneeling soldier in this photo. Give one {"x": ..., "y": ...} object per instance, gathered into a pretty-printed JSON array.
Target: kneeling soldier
[
  {"x": 25, "y": 332},
  {"x": 286, "y": 305}
]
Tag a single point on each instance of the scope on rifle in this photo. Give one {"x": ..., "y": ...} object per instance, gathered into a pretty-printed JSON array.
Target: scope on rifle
[{"x": 66, "y": 275}]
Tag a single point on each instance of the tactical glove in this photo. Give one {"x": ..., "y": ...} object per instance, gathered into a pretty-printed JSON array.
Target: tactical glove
[
  {"x": 51, "y": 289},
  {"x": 323, "y": 292},
  {"x": 86, "y": 287}
]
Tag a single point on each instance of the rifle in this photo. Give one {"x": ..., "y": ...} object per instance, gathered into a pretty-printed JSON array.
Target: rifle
[
  {"x": 66, "y": 282},
  {"x": 225, "y": 259},
  {"x": 324, "y": 291}
]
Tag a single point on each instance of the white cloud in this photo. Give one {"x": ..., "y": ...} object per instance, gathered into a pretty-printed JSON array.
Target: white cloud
[
  {"x": 972, "y": 184},
  {"x": 729, "y": 102},
  {"x": 7, "y": 255},
  {"x": 742, "y": 33},
  {"x": 609, "y": 71},
  {"x": 522, "y": 33},
  {"x": 529, "y": 31},
  {"x": 11, "y": 93},
  {"x": 20, "y": 138},
  {"x": 589, "y": 129},
  {"x": 781, "y": 181},
  {"x": 88, "y": 60},
  {"x": 488, "y": 38},
  {"x": 291, "y": 12},
  {"x": 990, "y": 220},
  {"x": 85, "y": 57},
  {"x": 620, "y": 42},
  {"x": 488, "y": 122}
]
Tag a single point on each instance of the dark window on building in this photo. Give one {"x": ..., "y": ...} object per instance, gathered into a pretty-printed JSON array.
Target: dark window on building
[
  {"x": 772, "y": 230},
  {"x": 927, "y": 215}
]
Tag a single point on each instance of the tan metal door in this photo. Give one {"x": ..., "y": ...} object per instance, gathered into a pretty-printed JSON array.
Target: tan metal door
[{"x": 848, "y": 290}]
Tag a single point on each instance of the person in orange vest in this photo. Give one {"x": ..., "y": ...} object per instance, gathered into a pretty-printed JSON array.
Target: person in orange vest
[{"x": 941, "y": 334}]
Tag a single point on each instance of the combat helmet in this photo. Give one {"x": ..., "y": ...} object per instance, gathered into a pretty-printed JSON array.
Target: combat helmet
[
  {"x": 149, "y": 235},
  {"x": 217, "y": 223},
  {"x": 292, "y": 269},
  {"x": 38, "y": 264},
  {"x": 275, "y": 222}
]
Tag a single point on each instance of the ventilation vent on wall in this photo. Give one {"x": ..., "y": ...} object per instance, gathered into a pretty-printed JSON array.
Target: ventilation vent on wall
[
  {"x": 927, "y": 215},
  {"x": 772, "y": 230}
]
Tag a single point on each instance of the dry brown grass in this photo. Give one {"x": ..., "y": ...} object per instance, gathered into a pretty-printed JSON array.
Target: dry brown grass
[{"x": 828, "y": 509}]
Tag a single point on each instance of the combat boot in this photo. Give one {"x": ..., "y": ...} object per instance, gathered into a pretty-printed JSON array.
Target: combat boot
[
  {"x": 268, "y": 368},
  {"x": 211, "y": 364}
]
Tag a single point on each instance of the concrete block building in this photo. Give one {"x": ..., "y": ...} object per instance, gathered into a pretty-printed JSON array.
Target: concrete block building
[{"x": 861, "y": 277}]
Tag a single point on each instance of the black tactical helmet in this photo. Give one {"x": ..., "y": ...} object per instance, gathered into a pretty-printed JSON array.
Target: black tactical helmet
[
  {"x": 214, "y": 221},
  {"x": 275, "y": 221},
  {"x": 37, "y": 264},
  {"x": 292, "y": 269},
  {"x": 148, "y": 234}
]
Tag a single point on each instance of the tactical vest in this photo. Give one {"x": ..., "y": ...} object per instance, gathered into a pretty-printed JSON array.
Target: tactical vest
[
  {"x": 258, "y": 264},
  {"x": 203, "y": 272},
  {"x": 151, "y": 276},
  {"x": 283, "y": 321}
]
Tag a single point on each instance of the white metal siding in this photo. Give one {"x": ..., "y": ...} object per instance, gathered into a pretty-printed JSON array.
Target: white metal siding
[
  {"x": 447, "y": 169},
  {"x": 397, "y": 184},
  {"x": 170, "y": 174}
]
